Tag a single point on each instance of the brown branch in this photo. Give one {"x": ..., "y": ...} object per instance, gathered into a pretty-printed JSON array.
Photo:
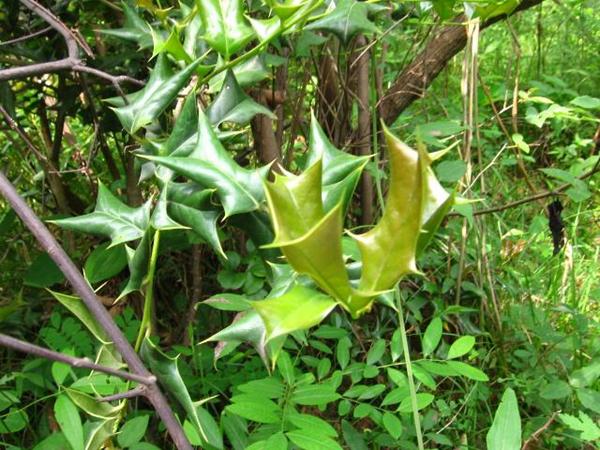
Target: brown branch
[
  {"x": 27, "y": 347},
  {"x": 535, "y": 436},
  {"x": 26, "y": 37},
  {"x": 135, "y": 392},
  {"x": 71, "y": 63},
  {"x": 83, "y": 290},
  {"x": 415, "y": 78}
]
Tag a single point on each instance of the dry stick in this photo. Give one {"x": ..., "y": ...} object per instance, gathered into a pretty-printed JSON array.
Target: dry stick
[
  {"x": 135, "y": 392},
  {"x": 95, "y": 307},
  {"x": 27, "y": 347},
  {"x": 26, "y": 37},
  {"x": 534, "y": 437}
]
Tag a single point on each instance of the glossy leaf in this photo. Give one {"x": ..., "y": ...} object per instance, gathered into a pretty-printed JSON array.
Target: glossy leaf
[
  {"x": 298, "y": 309},
  {"x": 209, "y": 164},
  {"x": 388, "y": 250},
  {"x": 309, "y": 238},
  {"x": 225, "y": 27},
  {"x": 137, "y": 260},
  {"x": 505, "y": 433},
  {"x": 76, "y": 306},
  {"x": 461, "y": 347},
  {"x": 111, "y": 218},
  {"x": 160, "y": 219},
  {"x": 134, "y": 28},
  {"x": 67, "y": 416},
  {"x": 92, "y": 406},
  {"x": 233, "y": 105},
  {"x": 166, "y": 371},
  {"x": 99, "y": 433},
  {"x": 160, "y": 90},
  {"x": 347, "y": 20},
  {"x": 392, "y": 424},
  {"x": 133, "y": 431},
  {"x": 432, "y": 336},
  {"x": 309, "y": 440}
]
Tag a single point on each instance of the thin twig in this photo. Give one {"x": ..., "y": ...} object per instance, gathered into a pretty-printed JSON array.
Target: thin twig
[
  {"x": 27, "y": 347},
  {"x": 534, "y": 437},
  {"x": 135, "y": 392},
  {"x": 26, "y": 37}
]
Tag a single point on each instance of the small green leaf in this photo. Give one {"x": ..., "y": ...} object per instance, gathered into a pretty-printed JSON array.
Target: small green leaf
[
  {"x": 68, "y": 419},
  {"x": 505, "y": 433},
  {"x": 353, "y": 438},
  {"x": 133, "y": 431},
  {"x": 451, "y": 171},
  {"x": 76, "y": 306},
  {"x": 585, "y": 376},
  {"x": 43, "y": 273},
  {"x": 590, "y": 399},
  {"x": 587, "y": 102},
  {"x": 556, "y": 390},
  {"x": 468, "y": 371},
  {"x": 99, "y": 433},
  {"x": 92, "y": 406},
  {"x": 314, "y": 394},
  {"x": 432, "y": 336},
  {"x": 255, "y": 408},
  {"x": 376, "y": 352},
  {"x": 589, "y": 430},
  {"x": 309, "y": 440},
  {"x": 423, "y": 401},
  {"x": 461, "y": 347},
  {"x": 314, "y": 423},
  {"x": 392, "y": 424}
]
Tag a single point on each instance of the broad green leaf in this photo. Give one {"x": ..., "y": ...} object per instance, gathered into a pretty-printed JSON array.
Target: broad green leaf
[
  {"x": 209, "y": 164},
  {"x": 444, "y": 8},
  {"x": 270, "y": 387},
  {"x": 589, "y": 430},
  {"x": 79, "y": 310},
  {"x": 298, "y": 309},
  {"x": 68, "y": 419},
  {"x": 160, "y": 90},
  {"x": 43, "y": 273},
  {"x": 451, "y": 171},
  {"x": 247, "y": 73},
  {"x": 166, "y": 371},
  {"x": 228, "y": 302},
  {"x": 255, "y": 408},
  {"x": 54, "y": 441},
  {"x": 104, "y": 263},
  {"x": 432, "y": 336},
  {"x": 160, "y": 219},
  {"x": 233, "y": 105},
  {"x": 585, "y": 376},
  {"x": 215, "y": 438},
  {"x": 171, "y": 45},
  {"x": 92, "y": 406},
  {"x": 286, "y": 8},
  {"x": 266, "y": 29},
  {"x": 505, "y": 433},
  {"x": 133, "y": 431},
  {"x": 461, "y": 347},
  {"x": 236, "y": 430},
  {"x": 423, "y": 401},
  {"x": 225, "y": 28},
  {"x": 392, "y": 424},
  {"x": 347, "y": 20},
  {"x": 309, "y": 440},
  {"x": 314, "y": 394},
  {"x": 468, "y": 371},
  {"x": 587, "y": 102},
  {"x": 376, "y": 352},
  {"x": 111, "y": 218}
]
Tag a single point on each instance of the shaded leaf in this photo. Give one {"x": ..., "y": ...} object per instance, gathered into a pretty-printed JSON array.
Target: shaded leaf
[{"x": 347, "y": 20}]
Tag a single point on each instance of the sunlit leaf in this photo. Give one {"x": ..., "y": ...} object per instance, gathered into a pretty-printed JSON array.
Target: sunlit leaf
[{"x": 505, "y": 433}]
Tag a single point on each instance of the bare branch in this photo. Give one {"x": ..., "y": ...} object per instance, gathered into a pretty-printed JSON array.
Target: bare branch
[
  {"x": 27, "y": 347},
  {"x": 26, "y": 37},
  {"x": 135, "y": 392}
]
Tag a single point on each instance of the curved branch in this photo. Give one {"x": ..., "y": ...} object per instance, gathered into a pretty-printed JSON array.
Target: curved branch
[{"x": 415, "y": 78}]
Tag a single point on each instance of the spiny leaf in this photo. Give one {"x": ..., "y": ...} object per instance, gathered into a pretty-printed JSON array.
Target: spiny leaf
[
  {"x": 298, "y": 309},
  {"x": 160, "y": 90},
  {"x": 226, "y": 30},
  {"x": 165, "y": 369},
  {"x": 233, "y": 105},
  {"x": 111, "y": 218},
  {"x": 209, "y": 164},
  {"x": 347, "y": 20},
  {"x": 134, "y": 28}
]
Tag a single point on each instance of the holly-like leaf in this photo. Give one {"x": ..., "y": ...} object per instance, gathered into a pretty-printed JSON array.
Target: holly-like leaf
[
  {"x": 388, "y": 250},
  {"x": 166, "y": 371},
  {"x": 233, "y": 105},
  {"x": 308, "y": 237},
  {"x": 137, "y": 261},
  {"x": 286, "y": 8},
  {"x": 246, "y": 73},
  {"x": 134, "y": 28},
  {"x": 341, "y": 170},
  {"x": 111, "y": 218},
  {"x": 240, "y": 190},
  {"x": 160, "y": 219},
  {"x": 225, "y": 27},
  {"x": 171, "y": 45},
  {"x": 160, "y": 90},
  {"x": 298, "y": 309},
  {"x": 266, "y": 29},
  {"x": 347, "y": 20}
]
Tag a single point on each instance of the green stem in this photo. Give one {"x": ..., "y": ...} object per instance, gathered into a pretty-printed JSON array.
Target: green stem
[
  {"x": 409, "y": 371},
  {"x": 146, "y": 325}
]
